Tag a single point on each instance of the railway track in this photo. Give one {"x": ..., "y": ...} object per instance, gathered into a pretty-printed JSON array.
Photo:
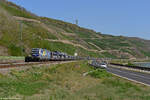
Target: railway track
[
  {"x": 8, "y": 62},
  {"x": 21, "y": 63}
]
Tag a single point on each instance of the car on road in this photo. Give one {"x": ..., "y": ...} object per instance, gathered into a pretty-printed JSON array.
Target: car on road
[
  {"x": 103, "y": 65},
  {"x": 97, "y": 64}
]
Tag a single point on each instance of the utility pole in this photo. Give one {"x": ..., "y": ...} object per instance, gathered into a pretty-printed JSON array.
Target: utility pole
[
  {"x": 21, "y": 37},
  {"x": 20, "y": 31}
]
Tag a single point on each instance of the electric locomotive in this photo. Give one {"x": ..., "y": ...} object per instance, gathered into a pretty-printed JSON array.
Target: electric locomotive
[{"x": 39, "y": 54}]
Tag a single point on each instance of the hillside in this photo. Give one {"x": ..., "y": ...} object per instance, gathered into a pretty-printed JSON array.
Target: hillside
[{"x": 52, "y": 34}]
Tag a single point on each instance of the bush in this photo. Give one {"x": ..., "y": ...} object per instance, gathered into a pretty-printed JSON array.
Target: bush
[
  {"x": 14, "y": 50},
  {"x": 130, "y": 64},
  {"x": 100, "y": 73},
  {"x": 15, "y": 10}
]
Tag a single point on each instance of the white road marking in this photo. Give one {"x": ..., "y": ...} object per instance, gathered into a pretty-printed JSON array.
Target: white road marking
[
  {"x": 132, "y": 69},
  {"x": 130, "y": 79},
  {"x": 132, "y": 74}
]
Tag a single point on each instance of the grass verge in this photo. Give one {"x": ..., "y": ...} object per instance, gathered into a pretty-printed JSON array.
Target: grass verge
[
  {"x": 11, "y": 58},
  {"x": 66, "y": 82}
]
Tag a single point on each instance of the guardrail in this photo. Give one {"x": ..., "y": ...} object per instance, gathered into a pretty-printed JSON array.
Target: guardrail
[{"x": 135, "y": 67}]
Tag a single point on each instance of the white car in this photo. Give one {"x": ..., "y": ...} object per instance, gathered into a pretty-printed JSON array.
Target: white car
[{"x": 103, "y": 65}]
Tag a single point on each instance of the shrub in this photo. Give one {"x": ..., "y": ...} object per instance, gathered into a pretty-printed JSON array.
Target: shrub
[
  {"x": 100, "y": 73},
  {"x": 14, "y": 50}
]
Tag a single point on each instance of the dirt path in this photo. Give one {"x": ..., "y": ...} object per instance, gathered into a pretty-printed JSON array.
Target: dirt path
[
  {"x": 39, "y": 22},
  {"x": 60, "y": 37},
  {"x": 26, "y": 19},
  {"x": 95, "y": 45},
  {"x": 76, "y": 45}
]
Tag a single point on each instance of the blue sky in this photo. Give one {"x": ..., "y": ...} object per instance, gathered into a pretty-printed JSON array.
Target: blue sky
[{"x": 116, "y": 17}]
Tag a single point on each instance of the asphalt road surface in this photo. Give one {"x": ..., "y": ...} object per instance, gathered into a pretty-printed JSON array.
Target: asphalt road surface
[{"x": 139, "y": 77}]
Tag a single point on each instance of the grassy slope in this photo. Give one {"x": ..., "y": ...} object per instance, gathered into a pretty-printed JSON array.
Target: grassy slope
[
  {"x": 66, "y": 82},
  {"x": 35, "y": 35}
]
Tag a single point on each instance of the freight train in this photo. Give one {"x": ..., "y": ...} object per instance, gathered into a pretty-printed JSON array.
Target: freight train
[{"x": 39, "y": 54}]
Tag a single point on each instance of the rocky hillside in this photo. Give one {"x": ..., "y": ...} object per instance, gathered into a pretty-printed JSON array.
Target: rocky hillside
[{"x": 42, "y": 32}]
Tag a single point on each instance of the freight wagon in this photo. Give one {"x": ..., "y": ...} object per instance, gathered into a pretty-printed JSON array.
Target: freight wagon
[{"x": 39, "y": 54}]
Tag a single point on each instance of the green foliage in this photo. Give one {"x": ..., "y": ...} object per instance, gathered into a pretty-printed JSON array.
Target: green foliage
[
  {"x": 130, "y": 64},
  {"x": 83, "y": 52},
  {"x": 70, "y": 28},
  {"x": 37, "y": 30},
  {"x": 130, "y": 51},
  {"x": 15, "y": 10},
  {"x": 100, "y": 73},
  {"x": 146, "y": 53},
  {"x": 66, "y": 81},
  {"x": 122, "y": 86},
  {"x": 15, "y": 50},
  {"x": 12, "y": 58},
  {"x": 137, "y": 43},
  {"x": 33, "y": 37},
  {"x": 31, "y": 81},
  {"x": 36, "y": 35},
  {"x": 11, "y": 87},
  {"x": 110, "y": 43},
  {"x": 108, "y": 55}
]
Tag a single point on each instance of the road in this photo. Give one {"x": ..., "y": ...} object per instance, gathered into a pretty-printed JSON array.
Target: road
[{"x": 143, "y": 78}]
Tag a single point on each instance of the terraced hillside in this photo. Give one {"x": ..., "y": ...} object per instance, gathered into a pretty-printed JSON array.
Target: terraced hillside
[{"x": 42, "y": 32}]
